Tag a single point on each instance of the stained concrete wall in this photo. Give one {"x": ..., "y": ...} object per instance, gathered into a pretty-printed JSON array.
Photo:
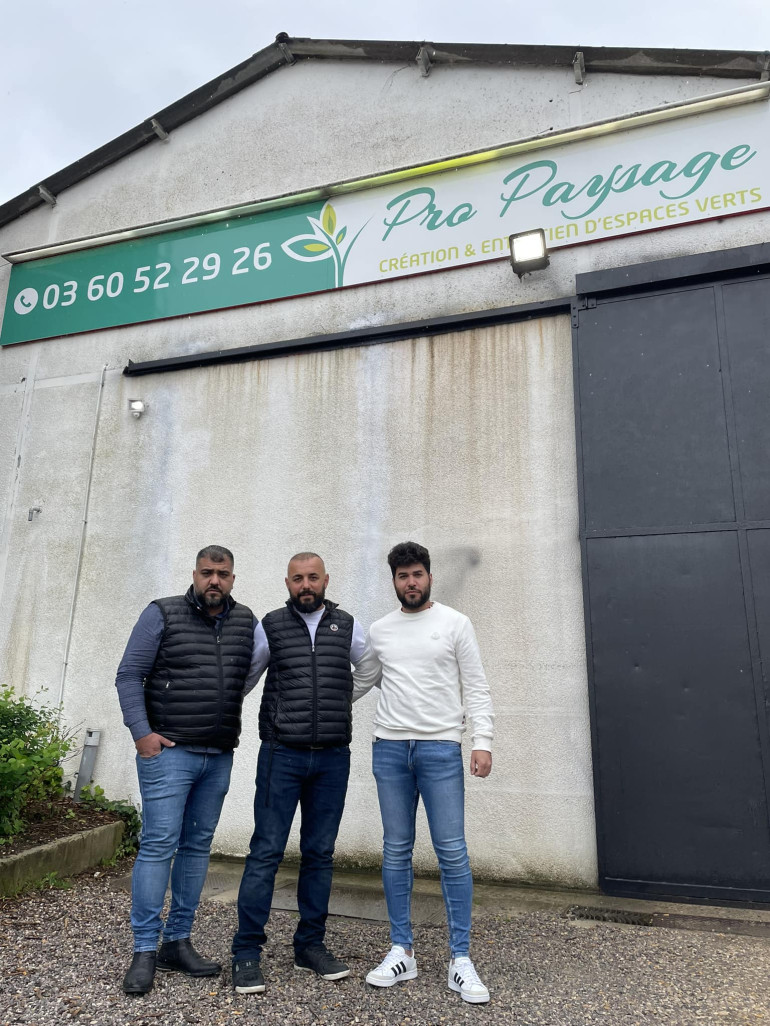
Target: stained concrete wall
[{"x": 465, "y": 441}]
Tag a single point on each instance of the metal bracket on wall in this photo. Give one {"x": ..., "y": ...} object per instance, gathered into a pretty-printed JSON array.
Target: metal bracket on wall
[
  {"x": 424, "y": 62},
  {"x": 282, "y": 41},
  {"x": 581, "y": 303},
  {"x": 579, "y": 67},
  {"x": 763, "y": 64},
  {"x": 46, "y": 195},
  {"x": 158, "y": 129}
]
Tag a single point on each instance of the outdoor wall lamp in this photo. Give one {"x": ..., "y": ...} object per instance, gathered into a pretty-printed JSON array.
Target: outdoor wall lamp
[
  {"x": 528, "y": 251},
  {"x": 137, "y": 407}
]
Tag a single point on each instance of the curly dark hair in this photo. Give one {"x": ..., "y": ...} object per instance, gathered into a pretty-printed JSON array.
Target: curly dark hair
[{"x": 407, "y": 553}]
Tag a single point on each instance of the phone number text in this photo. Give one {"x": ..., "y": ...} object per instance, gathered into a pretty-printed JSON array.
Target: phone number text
[{"x": 158, "y": 276}]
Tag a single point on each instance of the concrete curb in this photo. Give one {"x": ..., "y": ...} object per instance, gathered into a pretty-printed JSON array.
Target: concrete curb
[{"x": 65, "y": 857}]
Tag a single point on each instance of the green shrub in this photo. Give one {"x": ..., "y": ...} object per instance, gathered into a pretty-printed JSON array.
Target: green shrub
[
  {"x": 94, "y": 796},
  {"x": 32, "y": 745}
]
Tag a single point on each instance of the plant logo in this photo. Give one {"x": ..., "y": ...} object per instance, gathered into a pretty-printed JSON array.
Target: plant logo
[{"x": 326, "y": 243}]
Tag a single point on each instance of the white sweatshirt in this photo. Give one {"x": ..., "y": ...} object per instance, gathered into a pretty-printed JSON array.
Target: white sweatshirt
[{"x": 427, "y": 666}]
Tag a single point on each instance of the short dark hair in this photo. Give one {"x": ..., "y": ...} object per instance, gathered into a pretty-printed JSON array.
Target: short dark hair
[
  {"x": 407, "y": 553},
  {"x": 216, "y": 553},
  {"x": 301, "y": 556}
]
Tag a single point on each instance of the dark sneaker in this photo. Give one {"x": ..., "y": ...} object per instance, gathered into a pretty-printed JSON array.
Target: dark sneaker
[
  {"x": 247, "y": 977},
  {"x": 141, "y": 973},
  {"x": 319, "y": 960},
  {"x": 180, "y": 956}
]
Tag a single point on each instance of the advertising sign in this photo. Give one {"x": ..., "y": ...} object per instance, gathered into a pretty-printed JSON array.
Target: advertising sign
[{"x": 657, "y": 176}]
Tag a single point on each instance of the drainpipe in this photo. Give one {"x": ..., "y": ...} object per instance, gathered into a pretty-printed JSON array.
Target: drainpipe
[{"x": 79, "y": 564}]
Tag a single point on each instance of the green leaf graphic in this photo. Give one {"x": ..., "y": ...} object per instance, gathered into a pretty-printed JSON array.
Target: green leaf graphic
[
  {"x": 307, "y": 248},
  {"x": 341, "y": 236},
  {"x": 329, "y": 219}
]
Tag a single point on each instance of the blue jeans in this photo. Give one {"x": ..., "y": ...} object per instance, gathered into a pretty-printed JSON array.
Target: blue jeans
[
  {"x": 404, "y": 771},
  {"x": 182, "y": 795},
  {"x": 316, "y": 780}
]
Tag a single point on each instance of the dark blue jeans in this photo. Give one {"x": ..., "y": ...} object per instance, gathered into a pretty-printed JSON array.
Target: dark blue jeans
[{"x": 316, "y": 780}]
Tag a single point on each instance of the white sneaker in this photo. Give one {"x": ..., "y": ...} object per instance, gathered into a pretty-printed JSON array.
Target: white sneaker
[
  {"x": 463, "y": 978},
  {"x": 396, "y": 965}
]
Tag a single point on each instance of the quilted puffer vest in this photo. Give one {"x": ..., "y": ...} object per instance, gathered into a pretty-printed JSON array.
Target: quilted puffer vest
[
  {"x": 195, "y": 690},
  {"x": 307, "y": 699}
]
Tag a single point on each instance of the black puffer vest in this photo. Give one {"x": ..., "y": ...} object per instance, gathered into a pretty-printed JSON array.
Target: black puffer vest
[
  {"x": 307, "y": 699},
  {"x": 195, "y": 690}
]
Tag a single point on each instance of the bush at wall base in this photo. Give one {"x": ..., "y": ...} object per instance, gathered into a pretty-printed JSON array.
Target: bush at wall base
[{"x": 32, "y": 746}]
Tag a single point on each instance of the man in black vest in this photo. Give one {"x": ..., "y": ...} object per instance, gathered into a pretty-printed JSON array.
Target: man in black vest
[
  {"x": 305, "y": 722},
  {"x": 181, "y": 683}
]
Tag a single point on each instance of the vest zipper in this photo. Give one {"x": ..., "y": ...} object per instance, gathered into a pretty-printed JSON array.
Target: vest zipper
[
  {"x": 314, "y": 736},
  {"x": 220, "y": 674},
  {"x": 315, "y": 678}
]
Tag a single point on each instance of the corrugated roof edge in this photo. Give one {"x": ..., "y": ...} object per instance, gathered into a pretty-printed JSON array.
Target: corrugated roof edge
[{"x": 287, "y": 50}]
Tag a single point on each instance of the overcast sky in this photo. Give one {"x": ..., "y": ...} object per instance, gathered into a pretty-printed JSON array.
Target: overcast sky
[{"x": 75, "y": 74}]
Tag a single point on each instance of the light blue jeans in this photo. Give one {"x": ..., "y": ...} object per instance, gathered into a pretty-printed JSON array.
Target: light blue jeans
[
  {"x": 182, "y": 795},
  {"x": 404, "y": 771}
]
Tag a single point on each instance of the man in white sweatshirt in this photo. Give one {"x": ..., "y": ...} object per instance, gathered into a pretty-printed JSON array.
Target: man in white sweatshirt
[{"x": 425, "y": 659}]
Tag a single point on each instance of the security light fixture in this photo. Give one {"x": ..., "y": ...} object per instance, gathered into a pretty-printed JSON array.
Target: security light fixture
[
  {"x": 528, "y": 251},
  {"x": 137, "y": 407}
]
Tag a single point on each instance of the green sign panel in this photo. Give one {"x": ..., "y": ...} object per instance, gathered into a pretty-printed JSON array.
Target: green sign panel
[{"x": 229, "y": 263}]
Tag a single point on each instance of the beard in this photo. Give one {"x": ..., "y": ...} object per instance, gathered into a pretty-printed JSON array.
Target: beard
[
  {"x": 414, "y": 600},
  {"x": 210, "y": 599},
  {"x": 308, "y": 601}
]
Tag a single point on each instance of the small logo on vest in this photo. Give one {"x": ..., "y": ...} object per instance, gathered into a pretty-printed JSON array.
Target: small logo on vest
[{"x": 333, "y": 627}]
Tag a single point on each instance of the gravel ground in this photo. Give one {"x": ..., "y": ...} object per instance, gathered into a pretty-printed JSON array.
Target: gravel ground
[{"x": 63, "y": 955}]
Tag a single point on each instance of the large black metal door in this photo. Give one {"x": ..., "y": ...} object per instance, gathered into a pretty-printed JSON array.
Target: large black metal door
[{"x": 673, "y": 416}]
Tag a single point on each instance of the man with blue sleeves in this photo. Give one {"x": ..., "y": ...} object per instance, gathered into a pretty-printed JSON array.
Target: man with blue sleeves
[{"x": 181, "y": 684}]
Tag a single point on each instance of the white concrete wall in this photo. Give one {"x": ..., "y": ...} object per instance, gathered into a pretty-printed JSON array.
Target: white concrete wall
[{"x": 465, "y": 442}]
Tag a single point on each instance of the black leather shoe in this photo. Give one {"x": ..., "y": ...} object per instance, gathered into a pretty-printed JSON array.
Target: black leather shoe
[
  {"x": 141, "y": 973},
  {"x": 180, "y": 956}
]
